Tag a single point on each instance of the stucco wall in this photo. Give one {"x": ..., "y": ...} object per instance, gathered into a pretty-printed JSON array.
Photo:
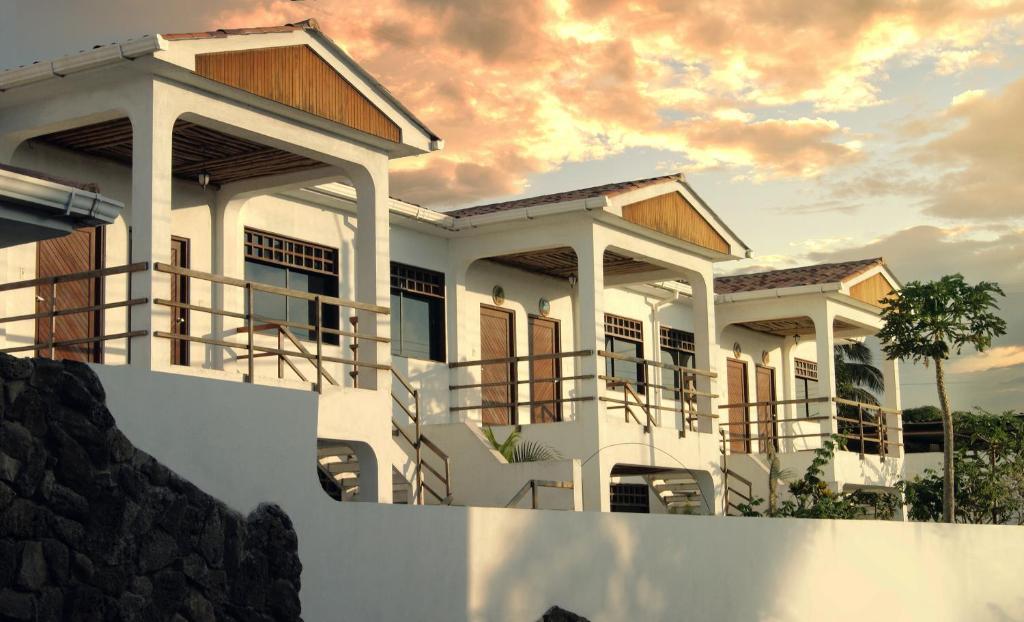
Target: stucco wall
[{"x": 246, "y": 444}]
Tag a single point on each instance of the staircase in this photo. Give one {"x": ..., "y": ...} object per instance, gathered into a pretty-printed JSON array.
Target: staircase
[
  {"x": 341, "y": 465},
  {"x": 431, "y": 466},
  {"x": 679, "y": 492}
]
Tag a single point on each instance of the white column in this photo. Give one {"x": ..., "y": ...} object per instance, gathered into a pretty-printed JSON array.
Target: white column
[
  {"x": 373, "y": 268},
  {"x": 150, "y": 222},
  {"x": 892, "y": 400},
  {"x": 459, "y": 336},
  {"x": 823, "y": 318},
  {"x": 589, "y": 326},
  {"x": 705, "y": 346}
]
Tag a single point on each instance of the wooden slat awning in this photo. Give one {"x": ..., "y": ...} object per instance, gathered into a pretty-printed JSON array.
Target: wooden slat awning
[
  {"x": 787, "y": 327},
  {"x": 562, "y": 262},
  {"x": 196, "y": 149}
]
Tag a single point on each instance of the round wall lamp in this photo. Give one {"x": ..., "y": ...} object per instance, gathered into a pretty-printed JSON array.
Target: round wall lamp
[
  {"x": 736, "y": 349},
  {"x": 498, "y": 295},
  {"x": 544, "y": 305}
]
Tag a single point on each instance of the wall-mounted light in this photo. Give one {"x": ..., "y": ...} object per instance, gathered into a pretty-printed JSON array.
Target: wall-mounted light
[
  {"x": 203, "y": 179},
  {"x": 572, "y": 281},
  {"x": 796, "y": 339}
]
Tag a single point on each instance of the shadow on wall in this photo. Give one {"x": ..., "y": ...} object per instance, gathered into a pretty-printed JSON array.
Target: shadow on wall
[{"x": 92, "y": 528}]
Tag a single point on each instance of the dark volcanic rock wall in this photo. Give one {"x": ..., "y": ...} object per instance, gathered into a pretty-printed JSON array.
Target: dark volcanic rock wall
[{"x": 93, "y": 529}]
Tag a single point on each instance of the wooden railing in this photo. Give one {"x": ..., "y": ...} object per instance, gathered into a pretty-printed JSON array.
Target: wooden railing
[
  {"x": 514, "y": 381},
  {"x": 639, "y": 393},
  {"x": 532, "y": 486},
  {"x": 418, "y": 441},
  {"x": 860, "y": 430},
  {"x": 255, "y": 324},
  {"x": 730, "y": 491},
  {"x": 52, "y": 310}
]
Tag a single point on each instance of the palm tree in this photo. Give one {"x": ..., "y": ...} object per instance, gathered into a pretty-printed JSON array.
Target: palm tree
[{"x": 857, "y": 378}]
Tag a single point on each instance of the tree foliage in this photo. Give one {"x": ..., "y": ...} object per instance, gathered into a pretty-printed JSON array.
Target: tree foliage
[
  {"x": 926, "y": 322},
  {"x": 514, "y": 449},
  {"x": 811, "y": 497},
  {"x": 989, "y": 473},
  {"x": 857, "y": 378}
]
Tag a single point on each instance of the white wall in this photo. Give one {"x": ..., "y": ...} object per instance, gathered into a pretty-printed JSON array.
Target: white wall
[{"x": 247, "y": 444}]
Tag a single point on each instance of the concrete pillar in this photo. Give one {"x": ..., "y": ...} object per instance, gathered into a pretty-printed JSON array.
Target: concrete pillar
[
  {"x": 373, "y": 268},
  {"x": 892, "y": 400},
  {"x": 589, "y": 326},
  {"x": 150, "y": 224},
  {"x": 458, "y": 317},
  {"x": 824, "y": 318},
  {"x": 705, "y": 346}
]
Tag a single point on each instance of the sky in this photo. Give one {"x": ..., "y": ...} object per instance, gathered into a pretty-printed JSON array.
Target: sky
[{"x": 819, "y": 131}]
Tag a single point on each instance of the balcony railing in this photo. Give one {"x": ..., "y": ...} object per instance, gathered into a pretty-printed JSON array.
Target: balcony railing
[
  {"x": 863, "y": 426},
  {"x": 66, "y": 308},
  {"x": 254, "y": 324},
  {"x": 637, "y": 395},
  {"x": 504, "y": 393}
]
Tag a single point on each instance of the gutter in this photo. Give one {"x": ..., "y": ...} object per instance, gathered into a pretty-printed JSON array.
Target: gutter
[
  {"x": 82, "y": 206},
  {"x": 91, "y": 59},
  {"x": 763, "y": 294}
]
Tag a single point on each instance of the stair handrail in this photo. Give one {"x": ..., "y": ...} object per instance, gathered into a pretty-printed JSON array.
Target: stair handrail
[
  {"x": 420, "y": 440},
  {"x": 532, "y": 486}
]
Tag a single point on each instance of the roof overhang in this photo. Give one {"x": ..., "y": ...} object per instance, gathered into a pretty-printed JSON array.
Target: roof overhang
[
  {"x": 32, "y": 208},
  {"x": 174, "y": 57}
]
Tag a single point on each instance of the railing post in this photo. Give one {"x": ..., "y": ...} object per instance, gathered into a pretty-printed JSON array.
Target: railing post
[
  {"x": 418, "y": 447},
  {"x": 354, "y": 348},
  {"x": 533, "y": 493},
  {"x": 280, "y": 357},
  {"x": 53, "y": 317},
  {"x": 249, "y": 313},
  {"x": 318, "y": 327},
  {"x": 860, "y": 421},
  {"x": 882, "y": 433},
  {"x": 725, "y": 475}
]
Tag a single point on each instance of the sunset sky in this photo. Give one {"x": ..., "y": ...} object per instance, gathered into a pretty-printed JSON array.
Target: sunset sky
[{"x": 818, "y": 130}]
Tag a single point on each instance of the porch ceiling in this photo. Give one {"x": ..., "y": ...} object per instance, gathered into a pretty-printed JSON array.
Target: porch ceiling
[
  {"x": 787, "y": 327},
  {"x": 561, "y": 262},
  {"x": 196, "y": 149}
]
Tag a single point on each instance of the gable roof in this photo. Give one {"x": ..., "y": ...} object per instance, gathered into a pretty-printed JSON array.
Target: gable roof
[
  {"x": 604, "y": 190},
  {"x": 819, "y": 274}
]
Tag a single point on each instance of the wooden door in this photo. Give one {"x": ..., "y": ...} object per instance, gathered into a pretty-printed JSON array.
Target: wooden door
[
  {"x": 179, "y": 294},
  {"x": 739, "y": 426},
  {"x": 767, "y": 428},
  {"x": 497, "y": 341},
  {"x": 79, "y": 251},
  {"x": 544, "y": 386}
]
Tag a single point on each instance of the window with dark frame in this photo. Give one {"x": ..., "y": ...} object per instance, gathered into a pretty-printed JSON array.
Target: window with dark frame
[
  {"x": 676, "y": 349},
  {"x": 277, "y": 260},
  {"x": 806, "y": 373},
  {"x": 417, "y": 313},
  {"x": 630, "y": 498},
  {"x": 624, "y": 336}
]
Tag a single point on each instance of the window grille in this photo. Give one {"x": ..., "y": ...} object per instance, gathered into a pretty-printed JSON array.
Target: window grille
[
  {"x": 284, "y": 251},
  {"x": 630, "y": 498},
  {"x": 417, "y": 280},
  {"x": 806, "y": 369},
  {"x": 674, "y": 339},
  {"x": 623, "y": 327}
]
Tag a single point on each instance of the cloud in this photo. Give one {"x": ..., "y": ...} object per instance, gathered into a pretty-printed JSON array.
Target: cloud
[
  {"x": 996, "y": 358},
  {"x": 557, "y": 81}
]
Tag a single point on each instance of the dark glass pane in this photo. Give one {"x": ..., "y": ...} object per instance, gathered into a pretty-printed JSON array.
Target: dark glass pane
[
  {"x": 265, "y": 305},
  {"x": 396, "y": 324},
  {"x": 670, "y": 377},
  {"x": 415, "y": 327}
]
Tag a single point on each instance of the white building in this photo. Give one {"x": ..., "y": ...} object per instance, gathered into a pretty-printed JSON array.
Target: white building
[{"x": 259, "y": 244}]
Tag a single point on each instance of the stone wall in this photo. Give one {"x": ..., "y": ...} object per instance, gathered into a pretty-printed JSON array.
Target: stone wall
[{"x": 93, "y": 529}]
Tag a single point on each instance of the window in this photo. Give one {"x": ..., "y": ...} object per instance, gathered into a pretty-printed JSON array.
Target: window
[
  {"x": 676, "y": 349},
  {"x": 626, "y": 337},
  {"x": 632, "y": 498},
  {"x": 292, "y": 264},
  {"x": 806, "y": 385},
  {"x": 417, "y": 313}
]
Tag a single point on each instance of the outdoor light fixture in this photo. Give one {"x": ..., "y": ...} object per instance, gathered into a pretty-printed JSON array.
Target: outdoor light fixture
[
  {"x": 796, "y": 339},
  {"x": 572, "y": 281},
  {"x": 204, "y": 179}
]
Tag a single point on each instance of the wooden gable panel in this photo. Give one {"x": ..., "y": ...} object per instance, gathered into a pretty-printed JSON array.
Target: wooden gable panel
[
  {"x": 673, "y": 215},
  {"x": 872, "y": 290},
  {"x": 296, "y": 76}
]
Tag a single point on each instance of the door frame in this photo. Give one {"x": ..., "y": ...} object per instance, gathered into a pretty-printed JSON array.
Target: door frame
[
  {"x": 97, "y": 294},
  {"x": 773, "y": 411},
  {"x": 745, "y": 410},
  {"x": 180, "y": 354},
  {"x": 513, "y": 376},
  {"x": 557, "y": 363}
]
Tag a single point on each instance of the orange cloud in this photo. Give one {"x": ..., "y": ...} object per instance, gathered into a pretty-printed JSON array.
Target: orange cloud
[
  {"x": 522, "y": 86},
  {"x": 996, "y": 358}
]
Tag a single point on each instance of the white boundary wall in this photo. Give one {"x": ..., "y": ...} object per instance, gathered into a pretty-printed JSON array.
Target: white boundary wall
[{"x": 246, "y": 444}]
